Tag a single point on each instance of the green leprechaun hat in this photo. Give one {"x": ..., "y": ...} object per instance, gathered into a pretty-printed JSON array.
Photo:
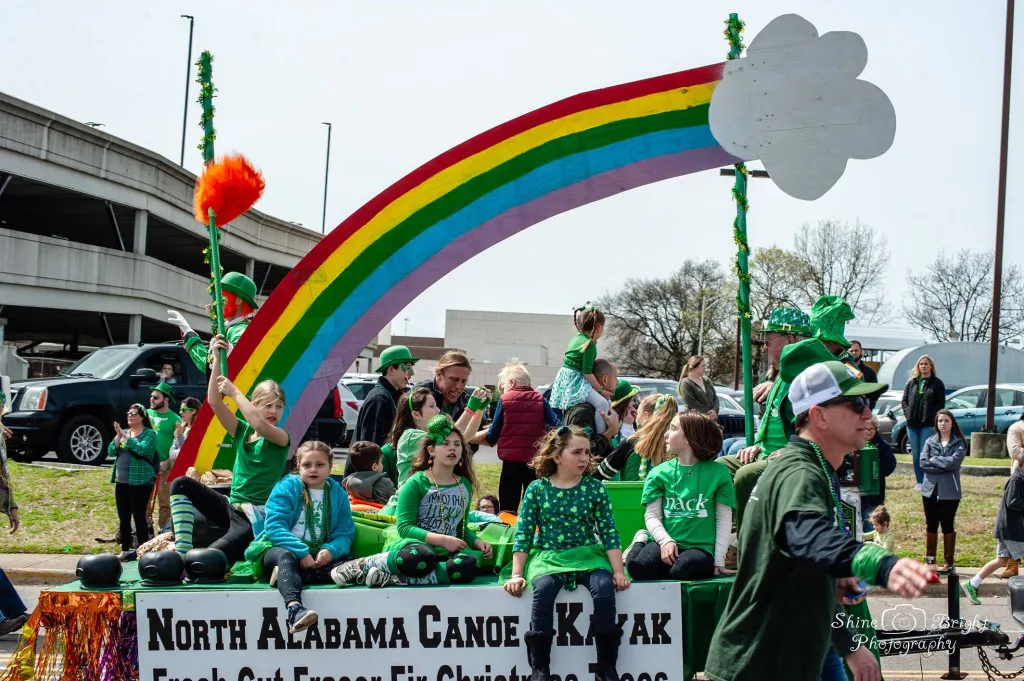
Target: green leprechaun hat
[
  {"x": 396, "y": 354},
  {"x": 242, "y": 286},
  {"x": 623, "y": 392},
  {"x": 788, "y": 320}
]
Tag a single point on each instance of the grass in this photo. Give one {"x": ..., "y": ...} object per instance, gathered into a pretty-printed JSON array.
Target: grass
[
  {"x": 968, "y": 461},
  {"x": 64, "y": 512}
]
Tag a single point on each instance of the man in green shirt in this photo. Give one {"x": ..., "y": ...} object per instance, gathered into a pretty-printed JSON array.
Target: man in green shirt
[
  {"x": 164, "y": 421},
  {"x": 239, "y": 309},
  {"x": 785, "y": 326},
  {"x": 796, "y": 559}
]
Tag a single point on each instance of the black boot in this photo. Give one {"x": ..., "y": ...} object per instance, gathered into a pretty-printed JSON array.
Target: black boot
[
  {"x": 538, "y": 652},
  {"x": 607, "y": 655}
]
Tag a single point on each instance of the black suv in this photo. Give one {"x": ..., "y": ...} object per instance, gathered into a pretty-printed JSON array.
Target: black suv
[{"x": 73, "y": 413}]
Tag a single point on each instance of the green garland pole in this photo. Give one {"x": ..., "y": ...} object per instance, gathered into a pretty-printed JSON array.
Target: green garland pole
[
  {"x": 206, "y": 146},
  {"x": 739, "y": 231}
]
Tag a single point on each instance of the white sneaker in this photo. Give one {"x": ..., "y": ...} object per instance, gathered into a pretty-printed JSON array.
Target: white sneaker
[
  {"x": 377, "y": 577},
  {"x": 352, "y": 572},
  {"x": 639, "y": 538}
]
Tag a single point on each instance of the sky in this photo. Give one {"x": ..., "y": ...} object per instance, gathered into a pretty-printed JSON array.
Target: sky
[{"x": 404, "y": 80}]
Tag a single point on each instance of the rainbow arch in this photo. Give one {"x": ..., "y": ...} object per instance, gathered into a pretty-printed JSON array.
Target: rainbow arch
[{"x": 551, "y": 160}]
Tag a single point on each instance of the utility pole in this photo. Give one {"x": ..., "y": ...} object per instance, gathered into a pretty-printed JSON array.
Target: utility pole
[
  {"x": 997, "y": 284},
  {"x": 188, "y": 79},
  {"x": 327, "y": 172}
]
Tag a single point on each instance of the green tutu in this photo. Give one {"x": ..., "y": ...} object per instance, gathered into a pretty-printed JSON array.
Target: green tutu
[{"x": 566, "y": 564}]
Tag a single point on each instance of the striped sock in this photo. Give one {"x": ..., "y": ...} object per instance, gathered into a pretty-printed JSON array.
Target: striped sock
[
  {"x": 379, "y": 561},
  {"x": 182, "y": 516}
]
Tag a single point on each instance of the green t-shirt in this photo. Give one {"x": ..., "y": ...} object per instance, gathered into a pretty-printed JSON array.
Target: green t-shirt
[
  {"x": 690, "y": 494},
  {"x": 777, "y": 421},
  {"x": 579, "y": 359},
  {"x": 425, "y": 507},
  {"x": 258, "y": 467},
  {"x": 164, "y": 425},
  {"x": 776, "y": 597}
]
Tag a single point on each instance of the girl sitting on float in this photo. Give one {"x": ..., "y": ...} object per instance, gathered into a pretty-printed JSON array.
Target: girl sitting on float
[
  {"x": 261, "y": 452},
  {"x": 650, "y": 439},
  {"x": 569, "y": 510},
  {"x": 689, "y": 502},
  {"x": 575, "y": 381},
  {"x": 308, "y": 531},
  {"x": 430, "y": 542}
]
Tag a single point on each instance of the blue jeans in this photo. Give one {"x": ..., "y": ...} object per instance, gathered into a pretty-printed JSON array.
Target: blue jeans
[
  {"x": 597, "y": 582},
  {"x": 833, "y": 669},
  {"x": 915, "y": 440},
  {"x": 732, "y": 445},
  {"x": 11, "y": 604}
]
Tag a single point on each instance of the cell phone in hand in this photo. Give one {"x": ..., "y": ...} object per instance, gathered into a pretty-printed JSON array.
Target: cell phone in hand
[{"x": 862, "y": 588}]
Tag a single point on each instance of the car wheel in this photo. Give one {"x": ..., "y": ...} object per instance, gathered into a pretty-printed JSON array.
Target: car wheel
[
  {"x": 83, "y": 440},
  {"x": 904, "y": 445}
]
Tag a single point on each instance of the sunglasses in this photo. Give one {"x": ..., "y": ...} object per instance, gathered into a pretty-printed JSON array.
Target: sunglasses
[
  {"x": 133, "y": 412},
  {"x": 185, "y": 409},
  {"x": 856, "y": 404}
]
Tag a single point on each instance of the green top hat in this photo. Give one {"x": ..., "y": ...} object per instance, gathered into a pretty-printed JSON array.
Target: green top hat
[
  {"x": 623, "y": 392},
  {"x": 165, "y": 389},
  {"x": 396, "y": 354},
  {"x": 788, "y": 320},
  {"x": 242, "y": 286},
  {"x": 828, "y": 319}
]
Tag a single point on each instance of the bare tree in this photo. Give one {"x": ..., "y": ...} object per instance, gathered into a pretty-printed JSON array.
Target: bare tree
[
  {"x": 655, "y": 324},
  {"x": 775, "y": 274},
  {"x": 954, "y": 295},
  {"x": 844, "y": 260}
]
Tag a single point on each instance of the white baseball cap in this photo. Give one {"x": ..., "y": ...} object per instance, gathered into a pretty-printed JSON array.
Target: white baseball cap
[{"x": 826, "y": 381}]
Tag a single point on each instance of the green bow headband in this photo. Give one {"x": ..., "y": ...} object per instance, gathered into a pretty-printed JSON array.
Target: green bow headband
[
  {"x": 587, "y": 307},
  {"x": 657, "y": 405},
  {"x": 439, "y": 427}
]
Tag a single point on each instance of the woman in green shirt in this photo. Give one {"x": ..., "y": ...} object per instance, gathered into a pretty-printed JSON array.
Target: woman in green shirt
[
  {"x": 261, "y": 452},
  {"x": 569, "y": 510},
  {"x": 689, "y": 502},
  {"x": 133, "y": 475},
  {"x": 431, "y": 542}
]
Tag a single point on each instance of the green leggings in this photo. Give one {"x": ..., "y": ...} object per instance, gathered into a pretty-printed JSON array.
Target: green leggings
[{"x": 744, "y": 478}]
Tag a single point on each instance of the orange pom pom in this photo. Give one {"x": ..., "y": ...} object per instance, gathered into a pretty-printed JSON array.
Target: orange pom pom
[{"x": 230, "y": 187}]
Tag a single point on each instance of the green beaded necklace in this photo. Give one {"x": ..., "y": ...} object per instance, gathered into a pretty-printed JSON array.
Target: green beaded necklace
[
  {"x": 832, "y": 488},
  {"x": 695, "y": 466},
  {"x": 317, "y": 542}
]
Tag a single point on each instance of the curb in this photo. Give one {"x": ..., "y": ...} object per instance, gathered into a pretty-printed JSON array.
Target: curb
[
  {"x": 988, "y": 588},
  {"x": 982, "y": 471},
  {"x": 26, "y": 577}
]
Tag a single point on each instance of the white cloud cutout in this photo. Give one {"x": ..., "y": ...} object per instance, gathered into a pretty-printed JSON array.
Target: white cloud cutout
[{"x": 794, "y": 102}]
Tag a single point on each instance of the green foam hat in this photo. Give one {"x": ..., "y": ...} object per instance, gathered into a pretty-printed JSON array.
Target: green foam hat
[
  {"x": 439, "y": 427},
  {"x": 788, "y": 320},
  {"x": 798, "y": 356},
  {"x": 828, "y": 319},
  {"x": 242, "y": 286},
  {"x": 396, "y": 354},
  {"x": 623, "y": 392},
  {"x": 165, "y": 389}
]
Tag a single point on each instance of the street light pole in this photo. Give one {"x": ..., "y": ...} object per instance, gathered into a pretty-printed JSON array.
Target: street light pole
[
  {"x": 188, "y": 79},
  {"x": 327, "y": 172}
]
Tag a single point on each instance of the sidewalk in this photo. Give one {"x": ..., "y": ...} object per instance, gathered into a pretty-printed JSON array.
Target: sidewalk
[{"x": 53, "y": 570}]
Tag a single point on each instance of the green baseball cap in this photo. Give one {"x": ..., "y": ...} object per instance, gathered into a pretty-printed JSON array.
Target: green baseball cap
[
  {"x": 623, "y": 391},
  {"x": 826, "y": 381},
  {"x": 242, "y": 286},
  {"x": 396, "y": 354},
  {"x": 788, "y": 320},
  {"x": 165, "y": 389},
  {"x": 828, "y": 319}
]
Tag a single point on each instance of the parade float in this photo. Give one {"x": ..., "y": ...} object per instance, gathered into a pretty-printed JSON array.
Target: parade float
[{"x": 794, "y": 102}]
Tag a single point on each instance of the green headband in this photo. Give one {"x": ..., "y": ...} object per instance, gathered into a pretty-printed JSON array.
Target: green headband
[
  {"x": 410, "y": 403},
  {"x": 657, "y": 405},
  {"x": 439, "y": 428}
]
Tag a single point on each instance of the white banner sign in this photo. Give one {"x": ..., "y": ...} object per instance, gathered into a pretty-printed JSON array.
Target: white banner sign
[{"x": 397, "y": 634}]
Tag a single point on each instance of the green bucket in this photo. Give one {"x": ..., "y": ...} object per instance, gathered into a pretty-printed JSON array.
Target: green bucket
[{"x": 627, "y": 509}]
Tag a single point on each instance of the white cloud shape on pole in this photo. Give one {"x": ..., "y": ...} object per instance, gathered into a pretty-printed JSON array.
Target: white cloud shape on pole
[{"x": 795, "y": 103}]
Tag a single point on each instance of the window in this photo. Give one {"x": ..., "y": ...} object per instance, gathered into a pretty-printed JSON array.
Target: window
[
  {"x": 359, "y": 389},
  {"x": 967, "y": 399}
]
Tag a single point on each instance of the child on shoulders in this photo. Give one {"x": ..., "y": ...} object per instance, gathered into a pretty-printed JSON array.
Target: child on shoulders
[
  {"x": 368, "y": 483},
  {"x": 569, "y": 510},
  {"x": 308, "y": 531},
  {"x": 575, "y": 381},
  {"x": 689, "y": 501},
  {"x": 431, "y": 541}
]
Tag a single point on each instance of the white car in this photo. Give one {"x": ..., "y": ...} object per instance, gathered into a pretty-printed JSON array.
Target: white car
[{"x": 350, "y": 404}]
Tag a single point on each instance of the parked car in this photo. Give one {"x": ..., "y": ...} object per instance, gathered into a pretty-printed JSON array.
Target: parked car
[
  {"x": 968, "y": 406},
  {"x": 350, "y": 404},
  {"x": 888, "y": 411},
  {"x": 73, "y": 413}
]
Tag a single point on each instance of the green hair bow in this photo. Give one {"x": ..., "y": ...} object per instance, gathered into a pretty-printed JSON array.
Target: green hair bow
[{"x": 439, "y": 427}]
